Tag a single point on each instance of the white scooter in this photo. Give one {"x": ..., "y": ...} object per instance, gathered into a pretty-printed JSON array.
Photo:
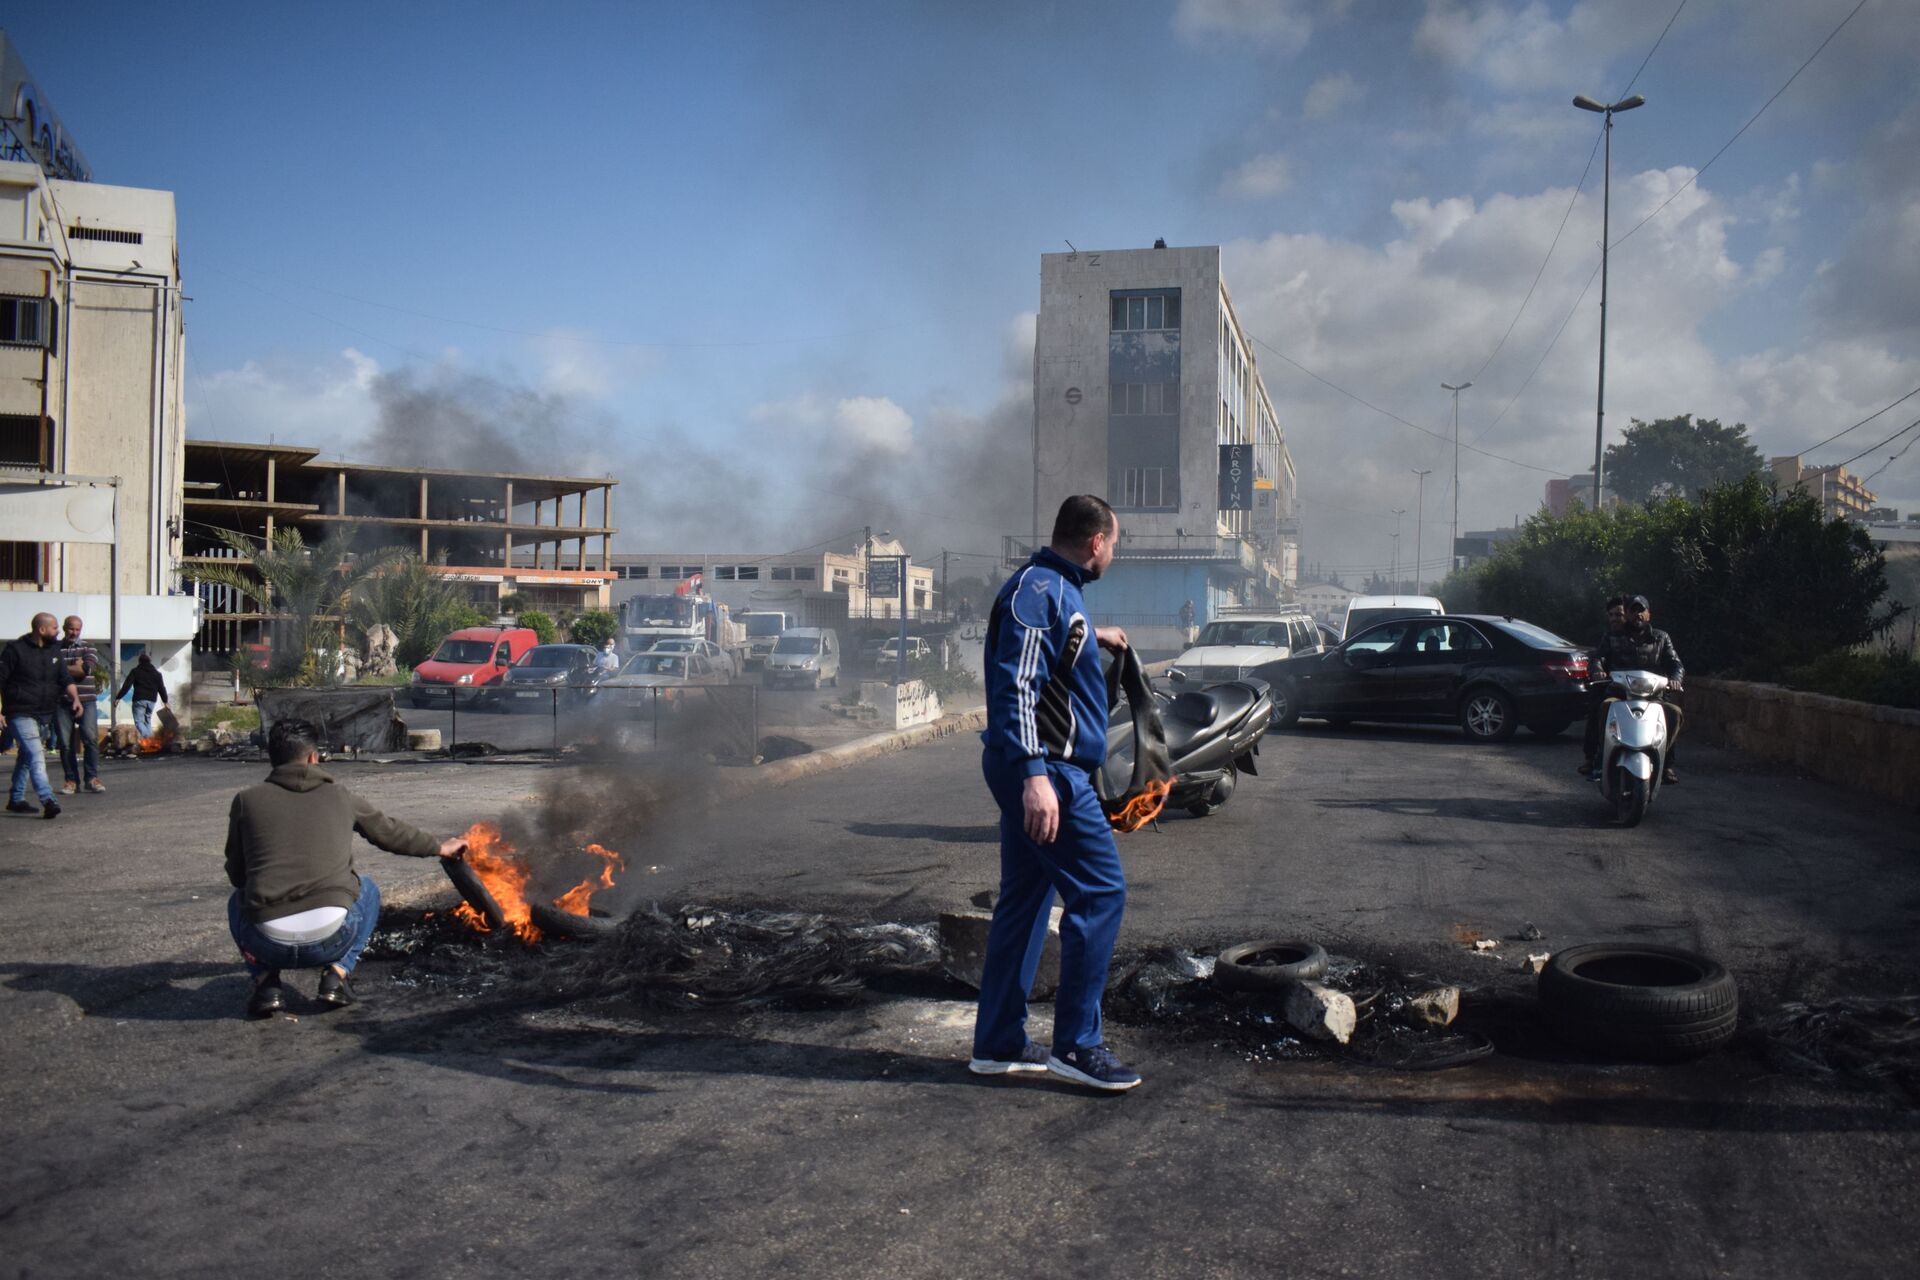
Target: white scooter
[{"x": 1633, "y": 749}]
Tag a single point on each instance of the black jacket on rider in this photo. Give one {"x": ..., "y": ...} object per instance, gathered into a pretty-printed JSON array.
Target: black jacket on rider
[{"x": 1649, "y": 649}]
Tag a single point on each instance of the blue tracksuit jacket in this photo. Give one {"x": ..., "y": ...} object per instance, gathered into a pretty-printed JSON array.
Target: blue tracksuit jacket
[{"x": 1046, "y": 693}]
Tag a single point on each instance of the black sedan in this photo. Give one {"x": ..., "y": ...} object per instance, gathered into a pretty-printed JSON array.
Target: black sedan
[
  {"x": 532, "y": 682},
  {"x": 1489, "y": 675}
]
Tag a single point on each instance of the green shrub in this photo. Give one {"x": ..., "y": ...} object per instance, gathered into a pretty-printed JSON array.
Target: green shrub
[
  {"x": 594, "y": 627},
  {"x": 1890, "y": 680},
  {"x": 541, "y": 625},
  {"x": 946, "y": 684}
]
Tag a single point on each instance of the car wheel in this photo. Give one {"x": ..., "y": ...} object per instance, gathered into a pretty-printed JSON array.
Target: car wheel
[
  {"x": 1487, "y": 715},
  {"x": 1217, "y": 795},
  {"x": 1286, "y": 709},
  {"x": 1639, "y": 1001}
]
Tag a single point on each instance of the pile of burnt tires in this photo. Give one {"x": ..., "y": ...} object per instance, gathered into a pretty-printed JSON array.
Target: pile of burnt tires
[{"x": 1630, "y": 1000}]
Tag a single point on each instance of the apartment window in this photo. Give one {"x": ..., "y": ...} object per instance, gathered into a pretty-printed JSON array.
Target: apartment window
[
  {"x": 782, "y": 573},
  {"x": 1132, "y": 311},
  {"x": 804, "y": 573},
  {"x": 724, "y": 572},
  {"x": 1130, "y": 399},
  {"x": 637, "y": 571},
  {"x": 20, "y": 562},
  {"x": 26, "y": 322},
  {"x": 749, "y": 573},
  {"x": 1145, "y": 487},
  {"x": 26, "y": 440},
  {"x": 106, "y": 233}
]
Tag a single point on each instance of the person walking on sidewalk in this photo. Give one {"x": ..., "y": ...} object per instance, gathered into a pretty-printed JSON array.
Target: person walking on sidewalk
[
  {"x": 298, "y": 901},
  {"x": 33, "y": 684},
  {"x": 149, "y": 687},
  {"x": 1046, "y": 736},
  {"x": 83, "y": 664}
]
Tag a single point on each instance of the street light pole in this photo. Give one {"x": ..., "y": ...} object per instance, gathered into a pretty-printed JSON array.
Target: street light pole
[
  {"x": 1394, "y": 589},
  {"x": 1419, "y": 526},
  {"x": 1453, "y": 540},
  {"x": 1606, "y": 202}
]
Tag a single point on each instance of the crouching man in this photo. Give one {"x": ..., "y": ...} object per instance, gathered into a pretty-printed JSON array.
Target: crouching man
[{"x": 298, "y": 902}]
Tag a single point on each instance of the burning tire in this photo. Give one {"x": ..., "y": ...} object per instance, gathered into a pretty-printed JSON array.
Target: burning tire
[
  {"x": 475, "y": 891},
  {"x": 1269, "y": 967},
  {"x": 1634, "y": 1001},
  {"x": 553, "y": 921}
]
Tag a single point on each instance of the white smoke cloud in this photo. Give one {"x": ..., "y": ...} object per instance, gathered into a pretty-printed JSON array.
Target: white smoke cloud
[
  {"x": 1330, "y": 93},
  {"x": 1263, "y": 176},
  {"x": 1284, "y": 25}
]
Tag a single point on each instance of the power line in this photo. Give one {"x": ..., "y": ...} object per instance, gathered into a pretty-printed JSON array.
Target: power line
[
  {"x": 1743, "y": 128},
  {"x": 1387, "y": 413},
  {"x": 1890, "y": 461},
  {"x": 1656, "y": 45},
  {"x": 1537, "y": 365},
  {"x": 1874, "y": 448},
  {"x": 1863, "y": 422}
]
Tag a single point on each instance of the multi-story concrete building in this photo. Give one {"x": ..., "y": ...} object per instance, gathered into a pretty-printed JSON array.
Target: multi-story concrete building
[
  {"x": 824, "y": 587},
  {"x": 91, "y": 410},
  {"x": 1842, "y": 494},
  {"x": 1147, "y": 392},
  {"x": 547, "y": 539}
]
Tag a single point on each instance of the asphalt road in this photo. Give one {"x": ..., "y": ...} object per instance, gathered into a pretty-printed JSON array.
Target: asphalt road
[{"x": 150, "y": 1130}]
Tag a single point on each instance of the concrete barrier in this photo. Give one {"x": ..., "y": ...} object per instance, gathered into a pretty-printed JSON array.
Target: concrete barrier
[
  {"x": 794, "y": 768},
  {"x": 1857, "y": 745}
]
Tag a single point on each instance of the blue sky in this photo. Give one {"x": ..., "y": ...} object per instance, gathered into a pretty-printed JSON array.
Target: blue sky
[{"x": 783, "y": 257}]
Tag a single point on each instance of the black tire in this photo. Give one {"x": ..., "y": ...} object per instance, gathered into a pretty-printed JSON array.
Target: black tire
[
  {"x": 1217, "y": 795},
  {"x": 1549, "y": 730},
  {"x": 1486, "y": 714},
  {"x": 1630, "y": 796},
  {"x": 1286, "y": 707},
  {"x": 475, "y": 891},
  {"x": 1300, "y": 962},
  {"x": 1631, "y": 1000},
  {"x": 551, "y": 919}
]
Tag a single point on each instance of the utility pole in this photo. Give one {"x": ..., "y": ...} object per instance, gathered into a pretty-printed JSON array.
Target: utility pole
[
  {"x": 1606, "y": 207},
  {"x": 1419, "y": 526},
  {"x": 946, "y": 601},
  {"x": 1397, "y": 513},
  {"x": 1453, "y": 540}
]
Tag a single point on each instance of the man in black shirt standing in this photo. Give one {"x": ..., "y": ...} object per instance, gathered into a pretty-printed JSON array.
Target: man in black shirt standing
[{"x": 33, "y": 683}]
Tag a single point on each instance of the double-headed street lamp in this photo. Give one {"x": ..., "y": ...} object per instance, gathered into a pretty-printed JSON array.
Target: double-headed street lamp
[{"x": 1600, "y": 413}]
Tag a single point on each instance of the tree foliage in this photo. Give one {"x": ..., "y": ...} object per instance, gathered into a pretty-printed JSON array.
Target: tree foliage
[
  {"x": 308, "y": 590},
  {"x": 421, "y": 606},
  {"x": 542, "y": 625},
  {"x": 1679, "y": 457},
  {"x": 594, "y": 627},
  {"x": 1748, "y": 582}
]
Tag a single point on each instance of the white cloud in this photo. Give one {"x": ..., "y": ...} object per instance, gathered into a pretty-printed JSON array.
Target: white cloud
[
  {"x": 874, "y": 423},
  {"x": 1263, "y": 176},
  {"x": 326, "y": 406},
  {"x": 1282, "y": 24},
  {"x": 573, "y": 363},
  {"x": 1523, "y": 47},
  {"x": 1330, "y": 93}
]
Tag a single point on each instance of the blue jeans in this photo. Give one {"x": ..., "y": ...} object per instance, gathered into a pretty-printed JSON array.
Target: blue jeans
[
  {"x": 342, "y": 947},
  {"x": 31, "y": 763},
  {"x": 1083, "y": 866},
  {"x": 143, "y": 718},
  {"x": 89, "y": 724}
]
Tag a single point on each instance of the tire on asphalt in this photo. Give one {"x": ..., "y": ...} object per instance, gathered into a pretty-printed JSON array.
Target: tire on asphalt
[
  {"x": 552, "y": 920},
  {"x": 1486, "y": 714},
  {"x": 1269, "y": 967},
  {"x": 475, "y": 891},
  {"x": 1217, "y": 795},
  {"x": 1633, "y": 1000}
]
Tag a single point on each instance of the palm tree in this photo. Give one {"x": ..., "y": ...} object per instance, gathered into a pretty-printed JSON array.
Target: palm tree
[
  {"x": 420, "y": 604},
  {"x": 308, "y": 590}
]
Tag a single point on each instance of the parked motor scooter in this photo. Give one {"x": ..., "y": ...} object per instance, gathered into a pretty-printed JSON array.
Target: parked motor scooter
[{"x": 1633, "y": 746}]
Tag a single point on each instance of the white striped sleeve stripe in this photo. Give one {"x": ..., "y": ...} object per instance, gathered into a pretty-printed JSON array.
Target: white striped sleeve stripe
[{"x": 1027, "y": 690}]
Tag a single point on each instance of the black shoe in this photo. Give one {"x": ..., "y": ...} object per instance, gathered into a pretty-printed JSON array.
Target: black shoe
[
  {"x": 334, "y": 989},
  {"x": 19, "y": 806},
  {"x": 50, "y": 810},
  {"x": 268, "y": 998},
  {"x": 1586, "y": 767},
  {"x": 1670, "y": 777}
]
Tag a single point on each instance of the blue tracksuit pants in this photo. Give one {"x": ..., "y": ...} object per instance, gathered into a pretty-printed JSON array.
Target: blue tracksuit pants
[{"x": 1083, "y": 866}]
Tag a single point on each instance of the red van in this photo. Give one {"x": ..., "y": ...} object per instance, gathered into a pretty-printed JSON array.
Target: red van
[{"x": 472, "y": 661}]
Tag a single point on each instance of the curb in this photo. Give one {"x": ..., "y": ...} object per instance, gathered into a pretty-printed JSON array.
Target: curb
[{"x": 794, "y": 768}]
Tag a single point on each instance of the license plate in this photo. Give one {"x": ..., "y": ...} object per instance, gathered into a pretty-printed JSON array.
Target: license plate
[{"x": 527, "y": 695}]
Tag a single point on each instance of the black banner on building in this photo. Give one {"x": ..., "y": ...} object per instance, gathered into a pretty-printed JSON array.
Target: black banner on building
[{"x": 1236, "y": 477}]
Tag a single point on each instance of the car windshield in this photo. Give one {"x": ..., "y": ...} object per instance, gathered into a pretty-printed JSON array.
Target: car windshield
[
  {"x": 551, "y": 656},
  {"x": 675, "y": 646},
  {"x": 660, "y": 611},
  {"x": 1538, "y": 637},
  {"x": 1248, "y": 632},
  {"x": 797, "y": 644},
  {"x": 765, "y": 624},
  {"x": 470, "y": 653},
  {"x": 657, "y": 664},
  {"x": 1360, "y": 619}
]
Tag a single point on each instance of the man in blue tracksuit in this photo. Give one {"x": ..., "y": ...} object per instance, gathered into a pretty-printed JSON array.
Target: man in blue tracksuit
[{"x": 1046, "y": 735}]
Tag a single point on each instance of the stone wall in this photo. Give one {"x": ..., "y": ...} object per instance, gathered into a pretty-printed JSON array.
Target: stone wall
[{"x": 1855, "y": 744}]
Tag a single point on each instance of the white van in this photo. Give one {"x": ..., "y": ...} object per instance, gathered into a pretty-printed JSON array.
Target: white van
[
  {"x": 1365, "y": 611},
  {"x": 804, "y": 655}
]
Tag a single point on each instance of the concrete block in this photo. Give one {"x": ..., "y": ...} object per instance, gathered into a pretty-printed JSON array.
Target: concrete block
[
  {"x": 423, "y": 739},
  {"x": 1320, "y": 1013},
  {"x": 1435, "y": 1008},
  {"x": 963, "y": 950}
]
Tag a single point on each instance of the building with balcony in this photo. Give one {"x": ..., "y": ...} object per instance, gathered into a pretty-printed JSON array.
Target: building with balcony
[
  {"x": 1842, "y": 495},
  {"x": 547, "y": 539},
  {"x": 1147, "y": 392},
  {"x": 92, "y": 419}
]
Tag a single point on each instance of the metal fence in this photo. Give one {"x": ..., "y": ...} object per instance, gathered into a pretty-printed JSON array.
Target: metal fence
[{"x": 721, "y": 721}]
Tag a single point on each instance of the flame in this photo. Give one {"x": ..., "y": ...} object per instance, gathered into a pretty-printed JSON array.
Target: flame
[
  {"x": 154, "y": 744},
  {"x": 499, "y": 867},
  {"x": 574, "y": 901},
  {"x": 1142, "y": 809}
]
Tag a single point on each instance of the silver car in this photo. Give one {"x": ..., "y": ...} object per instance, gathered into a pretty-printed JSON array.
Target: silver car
[{"x": 805, "y": 656}]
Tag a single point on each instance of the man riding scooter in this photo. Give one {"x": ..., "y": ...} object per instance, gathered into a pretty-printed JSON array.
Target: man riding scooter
[{"x": 1632, "y": 643}]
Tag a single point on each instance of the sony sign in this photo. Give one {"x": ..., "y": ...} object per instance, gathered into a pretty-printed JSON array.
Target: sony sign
[{"x": 30, "y": 130}]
